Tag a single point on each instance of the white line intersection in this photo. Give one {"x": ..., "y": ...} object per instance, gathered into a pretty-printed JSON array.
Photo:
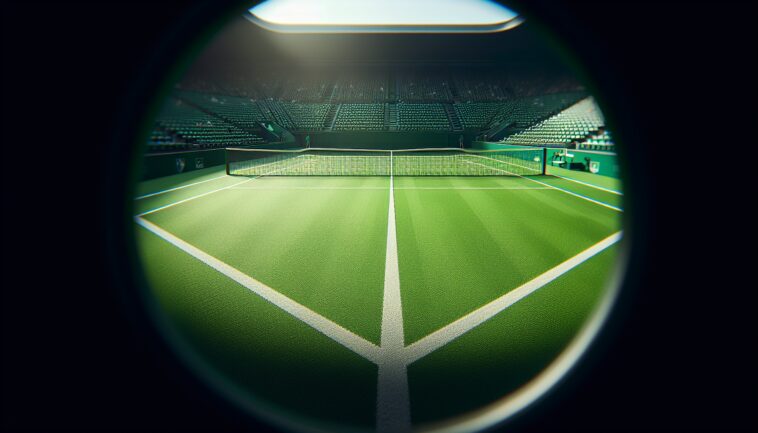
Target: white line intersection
[{"x": 392, "y": 356}]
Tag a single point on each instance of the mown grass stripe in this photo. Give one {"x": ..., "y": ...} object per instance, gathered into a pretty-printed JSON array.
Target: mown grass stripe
[
  {"x": 318, "y": 322},
  {"x": 450, "y": 332}
]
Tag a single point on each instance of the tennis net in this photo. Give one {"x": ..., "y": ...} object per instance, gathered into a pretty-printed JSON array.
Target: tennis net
[{"x": 369, "y": 162}]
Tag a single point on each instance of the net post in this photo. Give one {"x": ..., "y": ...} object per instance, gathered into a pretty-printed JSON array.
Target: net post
[
  {"x": 226, "y": 159},
  {"x": 544, "y": 161}
]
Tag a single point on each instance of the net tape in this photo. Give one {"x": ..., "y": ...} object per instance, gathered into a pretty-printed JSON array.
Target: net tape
[{"x": 412, "y": 162}]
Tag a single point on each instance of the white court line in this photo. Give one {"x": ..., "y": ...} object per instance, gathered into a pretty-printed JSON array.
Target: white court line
[
  {"x": 509, "y": 163},
  {"x": 207, "y": 193},
  {"x": 396, "y": 188},
  {"x": 192, "y": 198},
  {"x": 392, "y": 357},
  {"x": 589, "y": 184},
  {"x": 176, "y": 188},
  {"x": 617, "y": 209},
  {"x": 514, "y": 188},
  {"x": 318, "y": 322},
  {"x": 383, "y": 188},
  {"x": 452, "y": 331},
  {"x": 393, "y": 412}
]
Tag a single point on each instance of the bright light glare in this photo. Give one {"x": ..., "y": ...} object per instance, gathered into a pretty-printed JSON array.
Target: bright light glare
[{"x": 347, "y": 13}]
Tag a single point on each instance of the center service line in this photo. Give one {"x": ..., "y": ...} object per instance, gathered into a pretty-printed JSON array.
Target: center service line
[{"x": 393, "y": 412}]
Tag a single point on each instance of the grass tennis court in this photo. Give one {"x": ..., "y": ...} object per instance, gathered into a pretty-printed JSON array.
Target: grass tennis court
[{"x": 381, "y": 301}]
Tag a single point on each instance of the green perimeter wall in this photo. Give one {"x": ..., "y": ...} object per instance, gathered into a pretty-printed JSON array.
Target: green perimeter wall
[
  {"x": 608, "y": 163},
  {"x": 386, "y": 139},
  {"x": 487, "y": 145},
  {"x": 166, "y": 164}
]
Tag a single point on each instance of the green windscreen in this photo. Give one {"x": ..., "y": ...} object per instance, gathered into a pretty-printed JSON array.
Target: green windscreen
[{"x": 360, "y": 162}]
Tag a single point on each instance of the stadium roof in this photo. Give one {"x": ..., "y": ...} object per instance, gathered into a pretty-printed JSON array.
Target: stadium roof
[{"x": 374, "y": 16}]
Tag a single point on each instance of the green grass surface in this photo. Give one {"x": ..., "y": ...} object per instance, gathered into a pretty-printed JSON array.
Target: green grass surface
[
  {"x": 162, "y": 183},
  {"x": 323, "y": 248},
  {"x": 502, "y": 354},
  {"x": 159, "y": 200},
  {"x": 587, "y": 191},
  {"x": 321, "y": 241},
  {"x": 459, "y": 249},
  {"x": 255, "y": 345}
]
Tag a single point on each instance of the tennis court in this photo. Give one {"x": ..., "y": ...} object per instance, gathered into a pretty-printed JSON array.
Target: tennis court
[{"x": 385, "y": 290}]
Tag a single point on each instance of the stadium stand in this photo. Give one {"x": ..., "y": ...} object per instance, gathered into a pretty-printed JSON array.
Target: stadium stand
[
  {"x": 160, "y": 139},
  {"x": 568, "y": 126},
  {"x": 273, "y": 111},
  {"x": 600, "y": 141},
  {"x": 513, "y": 107},
  {"x": 477, "y": 115},
  {"x": 478, "y": 88},
  {"x": 352, "y": 117},
  {"x": 525, "y": 112},
  {"x": 306, "y": 117},
  {"x": 236, "y": 85},
  {"x": 419, "y": 87},
  {"x": 242, "y": 112},
  {"x": 422, "y": 117},
  {"x": 306, "y": 90},
  {"x": 522, "y": 84},
  {"x": 365, "y": 89},
  {"x": 192, "y": 128}
]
